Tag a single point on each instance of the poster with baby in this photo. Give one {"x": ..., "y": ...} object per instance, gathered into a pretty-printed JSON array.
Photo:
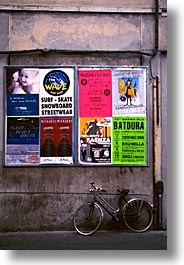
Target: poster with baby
[{"x": 22, "y": 86}]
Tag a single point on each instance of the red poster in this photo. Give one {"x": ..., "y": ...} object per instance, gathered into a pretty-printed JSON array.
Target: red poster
[
  {"x": 56, "y": 140},
  {"x": 95, "y": 93}
]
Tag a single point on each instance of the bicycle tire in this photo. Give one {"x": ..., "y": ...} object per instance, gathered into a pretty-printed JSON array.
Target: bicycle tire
[
  {"x": 88, "y": 218},
  {"x": 137, "y": 215}
]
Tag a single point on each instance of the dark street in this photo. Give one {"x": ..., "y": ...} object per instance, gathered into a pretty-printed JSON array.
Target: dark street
[{"x": 101, "y": 240}]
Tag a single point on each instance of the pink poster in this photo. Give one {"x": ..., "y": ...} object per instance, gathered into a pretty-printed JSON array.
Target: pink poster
[{"x": 95, "y": 93}]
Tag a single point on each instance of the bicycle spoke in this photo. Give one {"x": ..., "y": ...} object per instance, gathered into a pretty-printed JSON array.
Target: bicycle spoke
[
  {"x": 88, "y": 218},
  {"x": 138, "y": 215}
]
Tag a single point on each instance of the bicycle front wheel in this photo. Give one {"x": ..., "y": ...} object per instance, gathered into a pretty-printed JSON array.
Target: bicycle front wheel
[
  {"x": 137, "y": 215},
  {"x": 88, "y": 218}
]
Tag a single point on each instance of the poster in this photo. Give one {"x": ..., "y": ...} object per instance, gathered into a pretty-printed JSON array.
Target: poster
[
  {"x": 129, "y": 91},
  {"x": 22, "y": 141},
  {"x": 95, "y": 140},
  {"x": 95, "y": 93},
  {"x": 56, "y": 140},
  {"x": 22, "y": 91},
  {"x": 39, "y": 110},
  {"x": 56, "y": 92},
  {"x": 129, "y": 140}
]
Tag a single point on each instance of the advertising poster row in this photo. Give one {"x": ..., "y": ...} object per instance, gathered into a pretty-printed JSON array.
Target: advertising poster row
[{"x": 75, "y": 116}]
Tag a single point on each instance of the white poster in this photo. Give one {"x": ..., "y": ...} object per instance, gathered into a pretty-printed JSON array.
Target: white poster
[
  {"x": 57, "y": 92},
  {"x": 129, "y": 91}
]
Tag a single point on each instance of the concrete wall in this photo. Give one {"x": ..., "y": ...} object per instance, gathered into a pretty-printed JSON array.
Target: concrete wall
[{"x": 45, "y": 198}]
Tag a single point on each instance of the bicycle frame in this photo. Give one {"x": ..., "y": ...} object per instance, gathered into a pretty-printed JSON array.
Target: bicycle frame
[{"x": 112, "y": 211}]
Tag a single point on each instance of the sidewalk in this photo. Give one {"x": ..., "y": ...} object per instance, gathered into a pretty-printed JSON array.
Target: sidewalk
[{"x": 70, "y": 240}]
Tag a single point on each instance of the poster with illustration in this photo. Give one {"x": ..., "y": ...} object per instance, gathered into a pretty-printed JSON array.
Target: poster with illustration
[
  {"x": 56, "y": 140},
  {"x": 57, "y": 92},
  {"x": 129, "y": 91},
  {"x": 95, "y": 140}
]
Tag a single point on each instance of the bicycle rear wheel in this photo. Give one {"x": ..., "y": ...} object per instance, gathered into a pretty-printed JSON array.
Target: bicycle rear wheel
[
  {"x": 137, "y": 215},
  {"x": 88, "y": 218}
]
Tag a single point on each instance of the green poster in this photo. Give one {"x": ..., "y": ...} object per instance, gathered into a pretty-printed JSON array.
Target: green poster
[{"x": 129, "y": 140}]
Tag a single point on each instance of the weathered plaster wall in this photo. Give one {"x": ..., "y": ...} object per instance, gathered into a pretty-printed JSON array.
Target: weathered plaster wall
[
  {"x": 45, "y": 198},
  {"x": 89, "y": 3},
  {"x": 76, "y": 32}
]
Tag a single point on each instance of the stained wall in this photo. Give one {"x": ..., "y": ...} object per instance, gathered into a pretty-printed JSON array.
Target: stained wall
[{"x": 45, "y": 198}]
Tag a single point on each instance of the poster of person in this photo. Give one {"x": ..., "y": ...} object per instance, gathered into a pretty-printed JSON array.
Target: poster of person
[
  {"x": 95, "y": 140},
  {"x": 95, "y": 92},
  {"x": 56, "y": 135},
  {"x": 22, "y": 89},
  {"x": 129, "y": 91},
  {"x": 22, "y": 141},
  {"x": 57, "y": 92},
  {"x": 129, "y": 140}
]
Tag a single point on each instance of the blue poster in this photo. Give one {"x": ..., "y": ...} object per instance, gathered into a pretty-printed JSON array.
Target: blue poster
[
  {"x": 23, "y": 130},
  {"x": 22, "y": 104}
]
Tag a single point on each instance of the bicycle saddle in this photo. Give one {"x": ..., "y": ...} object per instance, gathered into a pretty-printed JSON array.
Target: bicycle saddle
[{"x": 123, "y": 191}]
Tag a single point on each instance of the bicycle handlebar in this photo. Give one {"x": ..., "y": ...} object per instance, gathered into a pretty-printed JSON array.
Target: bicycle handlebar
[{"x": 95, "y": 188}]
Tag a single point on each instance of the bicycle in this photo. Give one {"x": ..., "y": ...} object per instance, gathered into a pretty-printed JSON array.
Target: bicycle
[{"x": 136, "y": 213}]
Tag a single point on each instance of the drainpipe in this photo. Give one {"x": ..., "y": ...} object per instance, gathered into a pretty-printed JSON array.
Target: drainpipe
[
  {"x": 156, "y": 27},
  {"x": 158, "y": 184},
  {"x": 159, "y": 194}
]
